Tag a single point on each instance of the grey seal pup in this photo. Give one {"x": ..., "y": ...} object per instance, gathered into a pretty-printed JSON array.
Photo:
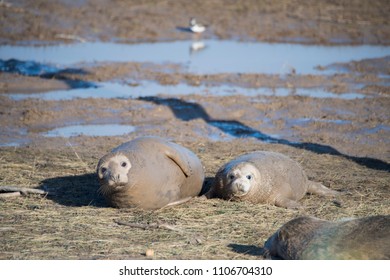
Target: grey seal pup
[
  {"x": 267, "y": 178},
  {"x": 149, "y": 173}
]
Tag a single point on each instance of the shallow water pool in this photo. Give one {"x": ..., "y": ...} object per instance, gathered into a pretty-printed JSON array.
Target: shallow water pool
[
  {"x": 90, "y": 130},
  {"x": 215, "y": 56},
  {"x": 115, "y": 90}
]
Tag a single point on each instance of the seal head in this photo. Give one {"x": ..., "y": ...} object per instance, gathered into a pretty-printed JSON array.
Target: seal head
[
  {"x": 239, "y": 180},
  {"x": 113, "y": 173}
]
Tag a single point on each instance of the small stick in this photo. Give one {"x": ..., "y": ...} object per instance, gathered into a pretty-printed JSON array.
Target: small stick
[
  {"x": 21, "y": 190},
  {"x": 9, "y": 195},
  {"x": 71, "y": 37}
]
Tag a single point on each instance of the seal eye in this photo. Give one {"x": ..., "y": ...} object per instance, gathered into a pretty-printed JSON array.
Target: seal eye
[
  {"x": 123, "y": 164},
  {"x": 103, "y": 169},
  {"x": 249, "y": 177}
]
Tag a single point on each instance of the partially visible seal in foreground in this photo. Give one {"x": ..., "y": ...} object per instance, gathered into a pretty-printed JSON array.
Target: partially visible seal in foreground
[
  {"x": 149, "y": 173},
  {"x": 309, "y": 238},
  {"x": 265, "y": 177}
]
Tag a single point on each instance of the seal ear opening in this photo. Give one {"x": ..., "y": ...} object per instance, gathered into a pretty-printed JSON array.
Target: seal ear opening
[{"x": 179, "y": 161}]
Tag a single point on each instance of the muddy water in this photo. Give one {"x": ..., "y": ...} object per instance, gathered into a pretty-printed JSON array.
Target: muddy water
[
  {"x": 147, "y": 88},
  {"x": 90, "y": 130},
  {"x": 206, "y": 57},
  {"x": 196, "y": 57}
]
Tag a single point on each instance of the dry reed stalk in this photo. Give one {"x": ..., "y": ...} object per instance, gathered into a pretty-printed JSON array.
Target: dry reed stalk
[{"x": 21, "y": 190}]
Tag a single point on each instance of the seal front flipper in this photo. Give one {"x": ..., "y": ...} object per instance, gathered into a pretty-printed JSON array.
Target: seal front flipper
[
  {"x": 287, "y": 203},
  {"x": 177, "y": 202},
  {"x": 210, "y": 193},
  {"x": 180, "y": 161}
]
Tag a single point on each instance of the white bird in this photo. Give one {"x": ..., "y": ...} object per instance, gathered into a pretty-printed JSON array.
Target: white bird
[{"x": 196, "y": 27}]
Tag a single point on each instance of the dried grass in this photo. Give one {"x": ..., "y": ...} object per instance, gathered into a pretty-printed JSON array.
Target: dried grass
[{"x": 73, "y": 222}]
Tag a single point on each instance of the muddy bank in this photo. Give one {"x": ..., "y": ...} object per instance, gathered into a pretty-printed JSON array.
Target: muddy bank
[
  {"x": 350, "y": 126},
  {"x": 302, "y": 21}
]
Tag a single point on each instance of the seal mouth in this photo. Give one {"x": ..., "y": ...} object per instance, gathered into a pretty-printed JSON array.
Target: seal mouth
[
  {"x": 106, "y": 189},
  {"x": 118, "y": 186},
  {"x": 240, "y": 194},
  {"x": 239, "y": 190}
]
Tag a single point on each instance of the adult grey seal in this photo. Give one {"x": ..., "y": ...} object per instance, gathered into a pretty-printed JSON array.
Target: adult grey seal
[
  {"x": 265, "y": 177},
  {"x": 149, "y": 173},
  {"x": 311, "y": 238}
]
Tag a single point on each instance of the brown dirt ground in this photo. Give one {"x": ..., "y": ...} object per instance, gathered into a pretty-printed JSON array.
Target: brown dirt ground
[
  {"x": 342, "y": 143},
  {"x": 306, "y": 21}
]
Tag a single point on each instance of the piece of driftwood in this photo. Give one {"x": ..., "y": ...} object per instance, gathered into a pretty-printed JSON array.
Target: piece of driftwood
[
  {"x": 9, "y": 195},
  {"x": 21, "y": 190},
  {"x": 71, "y": 37}
]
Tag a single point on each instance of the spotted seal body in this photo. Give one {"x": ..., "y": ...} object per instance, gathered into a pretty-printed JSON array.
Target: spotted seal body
[
  {"x": 149, "y": 173},
  {"x": 265, "y": 177},
  {"x": 310, "y": 238}
]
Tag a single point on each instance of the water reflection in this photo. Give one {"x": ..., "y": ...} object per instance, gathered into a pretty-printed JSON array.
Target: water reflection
[
  {"x": 91, "y": 130},
  {"x": 197, "y": 46},
  {"x": 114, "y": 90},
  {"x": 218, "y": 57},
  {"x": 45, "y": 71},
  {"x": 27, "y": 68}
]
